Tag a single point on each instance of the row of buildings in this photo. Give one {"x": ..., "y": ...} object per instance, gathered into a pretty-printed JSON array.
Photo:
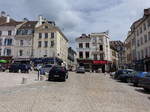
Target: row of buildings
[
  {"x": 38, "y": 41},
  {"x": 96, "y": 51},
  {"x": 137, "y": 44}
]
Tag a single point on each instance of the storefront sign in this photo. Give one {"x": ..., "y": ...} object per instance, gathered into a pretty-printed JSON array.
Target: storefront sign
[{"x": 100, "y": 62}]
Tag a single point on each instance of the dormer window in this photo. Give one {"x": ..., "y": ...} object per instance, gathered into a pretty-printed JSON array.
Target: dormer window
[{"x": 46, "y": 27}]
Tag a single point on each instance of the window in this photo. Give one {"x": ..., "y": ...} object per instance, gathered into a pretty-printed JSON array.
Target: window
[
  {"x": 95, "y": 56},
  {"x": 46, "y": 35},
  {"x": 80, "y": 45},
  {"x": 46, "y": 27},
  {"x": 0, "y": 33},
  {"x": 141, "y": 30},
  {"x": 20, "y": 52},
  {"x": 46, "y": 44},
  {"x": 9, "y": 32},
  {"x": 7, "y": 52},
  {"x": 139, "y": 56},
  {"x": 144, "y": 26},
  {"x": 0, "y": 52},
  {"x": 1, "y": 41},
  {"x": 137, "y": 32},
  {"x": 142, "y": 54},
  {"x": 138, "y": 43},
  {"x": 52, "y": 35},
  {"x": 101, "y": 47},
  {"x": 87, "y": 54},
  {"x": 8, "y": 42},
  {"x": 21, "y": 42},
  {"x": 141, "y": 40},
  {"x": 87, "y": 45},
  {"x": 101, "y": 56},
  {"x": 146, "y": 52},
  {"x": 52, "y": 43},
  {"x": 145, "y": 38},
  {"x": 80, "y": 54},
  {"x": 149, "y": 36},
  {"x": 149, "y": 51},
  {"x": 40, "y": 35},
  {"x": 148, "y": 23},
  {"x": 39, "y": 44}
]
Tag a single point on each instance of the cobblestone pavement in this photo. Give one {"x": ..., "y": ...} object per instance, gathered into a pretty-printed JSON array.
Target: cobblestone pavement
[
  {"x": 80, "y": 93},
  {"x": 15, "y": 79}
]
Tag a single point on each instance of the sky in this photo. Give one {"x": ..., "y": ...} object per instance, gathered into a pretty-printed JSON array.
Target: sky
[{"x": 75, "y": 17}]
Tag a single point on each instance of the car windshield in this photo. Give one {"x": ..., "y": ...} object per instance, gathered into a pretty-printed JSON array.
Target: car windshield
[
  {"x": 148, "y": 74},
  {"x": 48, "y": 66}
]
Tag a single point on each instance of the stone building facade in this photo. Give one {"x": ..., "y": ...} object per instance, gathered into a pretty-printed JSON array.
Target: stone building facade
[
  {"x": 50, "y": 42},
  {"x": 93, "y": 51},
  {"x": 140, "y": 33},
  {"x": 120, "y": 48}
]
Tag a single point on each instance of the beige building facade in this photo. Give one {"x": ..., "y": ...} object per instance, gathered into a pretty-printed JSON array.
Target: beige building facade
[
  {"x": 140, "y": 42},
  {"x": 50, "y": 42}
]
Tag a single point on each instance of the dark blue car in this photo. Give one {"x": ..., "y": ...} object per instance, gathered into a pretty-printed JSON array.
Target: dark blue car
[{"x": 137, "y": 77}]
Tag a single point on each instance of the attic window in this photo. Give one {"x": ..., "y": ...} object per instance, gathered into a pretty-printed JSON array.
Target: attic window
[{"x": 46, "y": 27}]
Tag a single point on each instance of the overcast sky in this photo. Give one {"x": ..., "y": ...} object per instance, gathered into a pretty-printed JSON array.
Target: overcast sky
[{"x": 75, "y": 17}]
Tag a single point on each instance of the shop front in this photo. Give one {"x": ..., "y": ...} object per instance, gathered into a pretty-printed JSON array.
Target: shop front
[
  {"x": 6, "y": 61},
  {"x": 95, "y": 65},
  {"x": 52, "y": 60}
]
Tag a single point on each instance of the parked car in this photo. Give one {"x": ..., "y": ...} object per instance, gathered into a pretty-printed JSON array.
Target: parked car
[
  {"x": 137, "y": 77},
  {"x": 145, "y": 82},
  {"x": 58, "y": 72},
  {"x": 80, "y": 69},
  {"x": 24, "y": 68},
  {"x": 2, "y": 68},
  {"x": 45, "y": 69},
  {"x": 14, "y": 68},
  {"x": 124, "y": 74},
  {"x": 131, "y": 76}
]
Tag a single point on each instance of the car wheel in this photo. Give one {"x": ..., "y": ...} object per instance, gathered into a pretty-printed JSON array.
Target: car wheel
[{"x": 135, "y": 84}]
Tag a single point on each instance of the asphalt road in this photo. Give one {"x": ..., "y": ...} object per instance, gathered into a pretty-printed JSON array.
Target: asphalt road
[{"x": 88, "y": 92}]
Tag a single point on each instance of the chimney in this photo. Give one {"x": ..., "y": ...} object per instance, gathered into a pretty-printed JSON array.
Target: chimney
[
  {"x": 40, "y": 19},
  {"x": 8, "y": 19},
  {"x": 3, "y": 14}
]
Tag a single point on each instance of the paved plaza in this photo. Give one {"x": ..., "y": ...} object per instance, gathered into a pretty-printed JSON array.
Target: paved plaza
[{"x": 90, "y": 92}]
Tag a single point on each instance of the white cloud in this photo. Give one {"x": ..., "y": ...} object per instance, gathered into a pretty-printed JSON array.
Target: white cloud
[{"x": 82, "y": 16}]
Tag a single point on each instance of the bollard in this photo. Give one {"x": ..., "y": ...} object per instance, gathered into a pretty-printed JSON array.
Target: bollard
[
  {"x": 41, "y": 78},
  {"x": 24, "y": 80}
]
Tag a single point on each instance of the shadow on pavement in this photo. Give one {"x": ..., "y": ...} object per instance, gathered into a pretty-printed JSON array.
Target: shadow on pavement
[
  {"x": 141, "y": 90},
  {"x": 55, "y": 81}
]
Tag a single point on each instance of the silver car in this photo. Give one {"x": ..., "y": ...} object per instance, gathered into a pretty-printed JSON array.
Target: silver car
[{"x": 80, "y": 70}]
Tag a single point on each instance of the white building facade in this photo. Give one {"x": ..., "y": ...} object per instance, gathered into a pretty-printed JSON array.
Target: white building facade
[{"x": 93, "y": 51}]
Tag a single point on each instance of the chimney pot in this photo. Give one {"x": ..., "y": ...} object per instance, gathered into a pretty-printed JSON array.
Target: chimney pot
[{"x": 8, "y": 19}]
